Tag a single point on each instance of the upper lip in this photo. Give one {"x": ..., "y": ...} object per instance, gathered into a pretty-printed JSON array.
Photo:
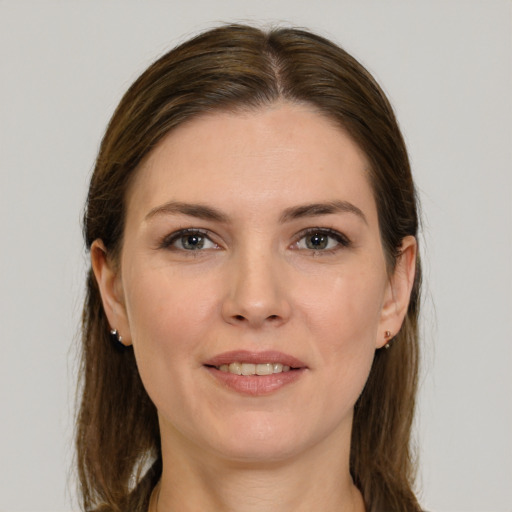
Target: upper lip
[{"x": 247, "y": 356}]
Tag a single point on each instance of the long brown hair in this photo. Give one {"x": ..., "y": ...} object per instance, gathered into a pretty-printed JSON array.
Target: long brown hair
[{"x": 232, "y": 68}]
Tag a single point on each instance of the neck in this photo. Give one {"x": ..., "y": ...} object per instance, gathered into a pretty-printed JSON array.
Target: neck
[{"x": 312, "y": 481}]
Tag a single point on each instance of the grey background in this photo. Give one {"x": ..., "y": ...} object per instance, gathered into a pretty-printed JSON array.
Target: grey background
[{"x": 447, "y": 67}]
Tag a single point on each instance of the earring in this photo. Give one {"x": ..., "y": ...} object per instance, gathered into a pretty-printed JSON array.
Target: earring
[
  {"x": 387, "y": 335},
  {"x": 115, "y": 334}
]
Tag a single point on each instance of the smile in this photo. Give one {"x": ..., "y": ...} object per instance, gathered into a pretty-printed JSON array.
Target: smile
[
  {"x": 253, "y": 369},
  {"x": 255, "y": 373}
]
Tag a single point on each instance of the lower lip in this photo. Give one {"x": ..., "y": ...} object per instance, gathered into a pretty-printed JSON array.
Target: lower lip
[{"x": 256, "y": 385}]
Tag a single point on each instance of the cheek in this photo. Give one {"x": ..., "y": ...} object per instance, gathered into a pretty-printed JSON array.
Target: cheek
[
  {"x": 346, "y": 307},
  {"x": 164, "y": 308},
  {"x": 344, "y": 321},
  {"x": 169, "y": 319}
]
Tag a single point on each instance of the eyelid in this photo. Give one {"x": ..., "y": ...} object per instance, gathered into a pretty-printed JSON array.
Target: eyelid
[
  {"x": 341, "y": 239},
  {"x": 168, "y": 240}
]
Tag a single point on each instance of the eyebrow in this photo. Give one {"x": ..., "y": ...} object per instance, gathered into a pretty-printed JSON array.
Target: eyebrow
[
  {"x": 201, "y": 211},
  {"x": 317, "y": 209},
  {"x": 191, "y": 209}
]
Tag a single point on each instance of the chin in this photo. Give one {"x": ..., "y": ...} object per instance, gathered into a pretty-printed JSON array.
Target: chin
[{"x": 259, "y": 438}]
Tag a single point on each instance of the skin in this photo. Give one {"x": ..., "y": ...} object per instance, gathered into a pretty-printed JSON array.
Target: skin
[{"x": 255, "y": 285}]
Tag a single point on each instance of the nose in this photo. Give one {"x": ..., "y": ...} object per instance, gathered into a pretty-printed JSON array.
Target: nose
[{"x": 257, "y": 292}]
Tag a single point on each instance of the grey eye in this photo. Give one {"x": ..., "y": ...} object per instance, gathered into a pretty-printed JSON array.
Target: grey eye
[
  {"x": 321, "y": 241},
  {"x": 317, "y": 241},
  {"x": 191, "y": 242},
  {"x": 186, "y": 240}
]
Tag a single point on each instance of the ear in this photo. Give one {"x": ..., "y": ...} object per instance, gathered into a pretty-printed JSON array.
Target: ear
[
  {"x": 398, "y": 292},
  {"x": 109, "y": 283}
]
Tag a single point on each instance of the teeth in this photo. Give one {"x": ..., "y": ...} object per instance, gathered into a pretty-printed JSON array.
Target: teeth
[
  {"x": 264, "y": 369},
  {"x": 277, "y": 368},
  {"x": 235, "y": 368},
  {"x": 253, "y": 369},
  {"x": 248, "y": 369}
]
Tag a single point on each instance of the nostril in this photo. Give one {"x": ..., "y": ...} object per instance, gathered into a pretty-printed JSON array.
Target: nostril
[{"x": 242, "y": 318}]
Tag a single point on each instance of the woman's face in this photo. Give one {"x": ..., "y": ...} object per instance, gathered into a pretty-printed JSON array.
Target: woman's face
[{"x": 251, "y": 245}]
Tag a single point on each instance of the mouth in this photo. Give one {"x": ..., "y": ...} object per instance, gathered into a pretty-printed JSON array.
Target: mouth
[
  {"x": 247, "y": 369},
  {"x": 245, "y": 362},
  {"x": 255, "y": 373}
]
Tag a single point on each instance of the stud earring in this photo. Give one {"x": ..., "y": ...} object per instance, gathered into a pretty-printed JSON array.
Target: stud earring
[
  {"x": 387, "y": 335},
  {"x": 115, "y": 334}
]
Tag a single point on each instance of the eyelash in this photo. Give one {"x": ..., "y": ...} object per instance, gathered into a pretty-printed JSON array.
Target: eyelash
[
  {"x": 342, "y": 241},
  {"x": 169, "y": 240}
]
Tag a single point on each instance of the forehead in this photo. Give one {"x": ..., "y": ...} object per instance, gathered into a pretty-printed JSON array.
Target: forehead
[{"x": 274, "y": 157}]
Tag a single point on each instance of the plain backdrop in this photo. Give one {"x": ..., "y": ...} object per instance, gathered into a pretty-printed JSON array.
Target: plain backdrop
[{"x": 447, "y": 67}]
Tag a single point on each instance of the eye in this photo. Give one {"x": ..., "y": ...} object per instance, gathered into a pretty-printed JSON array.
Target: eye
[
  {"x": 321, "y": 240},
  {"x": 189, "y": 240}
]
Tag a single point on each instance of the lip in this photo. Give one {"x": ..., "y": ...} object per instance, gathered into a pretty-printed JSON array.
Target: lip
[
  {"x": 247, "y": 356},
  {"x": 255, "y": 385}
]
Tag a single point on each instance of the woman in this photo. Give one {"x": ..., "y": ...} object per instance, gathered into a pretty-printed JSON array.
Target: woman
[{"x": 250, "y": 327}]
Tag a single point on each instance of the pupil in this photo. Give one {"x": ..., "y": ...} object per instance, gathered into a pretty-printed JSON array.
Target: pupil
[
  {"x": 317, "y": 241},
  {"x": 193, "y": 242}
]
